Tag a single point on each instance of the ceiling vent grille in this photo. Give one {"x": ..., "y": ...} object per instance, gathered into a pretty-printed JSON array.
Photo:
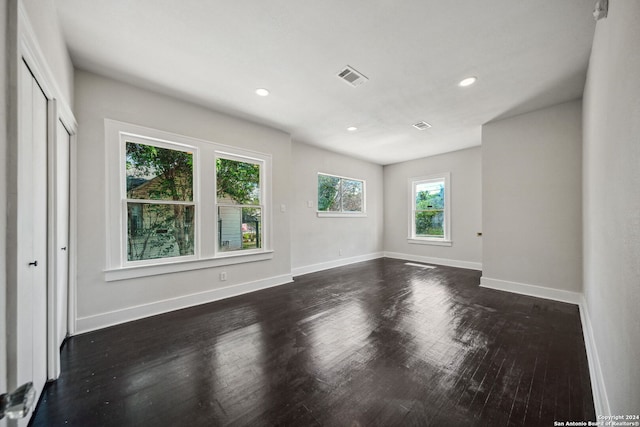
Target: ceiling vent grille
[
  {"x": 421, "y": 125},
  {"x": 352, "y": 76}
]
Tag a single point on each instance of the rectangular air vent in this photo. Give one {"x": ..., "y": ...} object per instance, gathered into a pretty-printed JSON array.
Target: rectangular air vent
[
  {"x": 421, "y": 125},
  {"x": 352, "y": 76}
]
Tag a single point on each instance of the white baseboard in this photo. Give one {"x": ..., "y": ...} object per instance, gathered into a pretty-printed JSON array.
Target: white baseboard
[
  {"x": 298, "y": 271},
  {"x": 600, "y": 399},
  {"x": 531, "y": 290},
  {"x": 432, "y": 260},
  {"x": 103, "y": 320},
  {"x": 601, "y": 402}
]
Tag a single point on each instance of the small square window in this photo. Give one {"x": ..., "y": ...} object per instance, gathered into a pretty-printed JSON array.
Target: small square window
[{"x": 340, "y": 195}]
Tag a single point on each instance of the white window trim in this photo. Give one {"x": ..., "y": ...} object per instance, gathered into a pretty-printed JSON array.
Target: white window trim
[
  {"x": 335, "y": 214},
  {"x": 429, "y": 241},
  {"x": 323, "y": 214},
  {"x": 206, "y": 254},
  {"x": 263, "y": 208},
  {"x": 129, "y": 137},
  {"x": 435, "y": 241},
  {"x": 172, "y": 266}
]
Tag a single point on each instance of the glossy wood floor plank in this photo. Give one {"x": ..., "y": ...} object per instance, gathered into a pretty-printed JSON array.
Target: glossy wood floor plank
[{"x": 378, "y": 343}]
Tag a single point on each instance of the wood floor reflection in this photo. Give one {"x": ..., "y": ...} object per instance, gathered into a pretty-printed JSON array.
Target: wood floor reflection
[{"x": 378, "y": 343}]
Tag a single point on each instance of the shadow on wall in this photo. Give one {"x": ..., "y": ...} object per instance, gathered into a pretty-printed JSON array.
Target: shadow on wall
[{"x": 558, "y": 93}]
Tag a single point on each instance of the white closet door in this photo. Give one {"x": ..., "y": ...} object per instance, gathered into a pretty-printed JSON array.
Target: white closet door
[
  {"x": 32, "y": 234},
  {"x": 40, "y": 235},
  {"x": 61, "y": 247}
]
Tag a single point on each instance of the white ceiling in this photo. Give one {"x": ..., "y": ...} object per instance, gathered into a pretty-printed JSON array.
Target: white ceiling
[{"x": 527, "y": 54}]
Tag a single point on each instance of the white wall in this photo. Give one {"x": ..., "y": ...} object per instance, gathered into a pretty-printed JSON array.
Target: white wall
[
  {"x": 531, "y": 198},
  {"x": 466, "y": 208},
  {"x": 44, "y": 22},
  {"x": 319, "y": 240},
  {"x": 98, "y": 98},
  {"x": 611, "y": 174}
]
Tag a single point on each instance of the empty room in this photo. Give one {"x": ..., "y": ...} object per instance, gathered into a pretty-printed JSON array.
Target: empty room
[{"x": 338, "y": 213}]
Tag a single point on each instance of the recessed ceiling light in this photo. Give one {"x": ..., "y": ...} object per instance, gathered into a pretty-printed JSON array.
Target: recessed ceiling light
[
  {"x": 352, "y": 128},
  {"x": 262, "y": 92},
  {"x": 468, "y": 81}
]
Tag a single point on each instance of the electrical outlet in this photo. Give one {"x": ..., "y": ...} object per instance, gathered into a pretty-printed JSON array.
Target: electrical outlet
[
  {"x": 309, "y": 203},
  {"x": 223, "y": 276},
  {"x": 340, "y": 252}
]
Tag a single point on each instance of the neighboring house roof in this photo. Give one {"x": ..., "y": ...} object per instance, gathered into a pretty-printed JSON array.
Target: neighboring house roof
[{"x": 146, "y": 189}]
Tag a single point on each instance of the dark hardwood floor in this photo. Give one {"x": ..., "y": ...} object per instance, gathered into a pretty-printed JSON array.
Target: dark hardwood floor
[{"x": 378, "y": 343}]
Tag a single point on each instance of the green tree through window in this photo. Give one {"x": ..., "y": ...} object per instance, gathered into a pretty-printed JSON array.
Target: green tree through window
[
  {"x": 239, "y": 204},
  {"x": 429, "y": 204},
  {"x": 238, "y": 180},
  {"x": 154, "y": 175},
  {"x": 429, "y": 213},
  {"x": 337, "y": 194}
]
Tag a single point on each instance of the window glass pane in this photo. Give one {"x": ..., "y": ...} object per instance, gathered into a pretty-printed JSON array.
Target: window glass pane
[
  {"x": 430, "y": 224},
  {"x": 159, "y": 231},
  {"x": 237, "y": 182},
  {"x": 430, "y": 195},
  {"x": 328, "y": 193},
  {"x": 351, "y": 195},
  {"x": 239, "y": 228},
  {"x": 155, "y": 173}
]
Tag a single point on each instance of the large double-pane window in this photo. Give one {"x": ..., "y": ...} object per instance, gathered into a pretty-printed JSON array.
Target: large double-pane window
[
  {"x": 340, "y": 195},
  {"x": 239, "y": 201},
  {"x": 430, "y": 218},
  {"x": 178, "y": 203},
  {"x": 159, "y": 201}
]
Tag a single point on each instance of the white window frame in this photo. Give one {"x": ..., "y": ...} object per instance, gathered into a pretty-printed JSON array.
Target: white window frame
[
  {"x": 263, "y": 211},
  {"x": 422, "y": 240},
  {"x": 206, "y": 254},
  {"x": 136, "y": 139},
  {"x": 339, "y": 214}
]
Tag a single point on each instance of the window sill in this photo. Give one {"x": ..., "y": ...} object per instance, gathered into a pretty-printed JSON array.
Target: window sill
[
  {"x": 434, "y": 242},
  {"x": 124, "y": 273},
  {"x": 341, "y": 215}
]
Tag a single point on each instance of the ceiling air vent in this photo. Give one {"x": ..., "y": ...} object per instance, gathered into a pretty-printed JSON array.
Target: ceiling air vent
[
  {"x": 421, "y": 125},
  {"x": 352, "y": 76}
]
